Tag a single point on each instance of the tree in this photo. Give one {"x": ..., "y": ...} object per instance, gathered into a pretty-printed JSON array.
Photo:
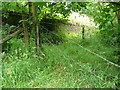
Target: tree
[
  {"x": 118, "y": 39},
  {"x": 37, "y": 10},
  {"x": 26, "y": 33},
  {"x": 117, "y": 5},
  {"x": 36, "y": 26}
]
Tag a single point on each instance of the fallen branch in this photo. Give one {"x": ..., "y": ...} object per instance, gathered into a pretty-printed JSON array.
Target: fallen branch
[{"x": 11, "y": 36}]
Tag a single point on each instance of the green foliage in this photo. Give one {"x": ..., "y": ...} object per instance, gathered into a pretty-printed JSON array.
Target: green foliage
[
  {"x": 105, "y": 16},
  {"x": 61, "y": 63},
  {"x": 6, "y": 30},
  {"x": 14, "y": 7},
  {"x": 40, "y": 4},
  {"x": 59, "y": 66}
]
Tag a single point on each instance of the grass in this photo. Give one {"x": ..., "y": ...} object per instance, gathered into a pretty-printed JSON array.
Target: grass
[
  {"x": 65, "y": 65},
  {"x": 61, "y": 65}
]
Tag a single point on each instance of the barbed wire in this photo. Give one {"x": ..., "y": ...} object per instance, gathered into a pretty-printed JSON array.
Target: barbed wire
[
  {"x": 87, "y": 49},
  {"x": 67, "y": 58},
  {"x": 82, "y": 68}
]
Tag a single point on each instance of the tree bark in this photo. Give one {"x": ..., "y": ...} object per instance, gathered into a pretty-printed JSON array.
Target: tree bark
[
  {"x": 30, "y": 8},
  {"x": 30, "y": 14},
  {"x": 36, "y": 27},
  {"x": 118, "y": 35},
  {"x": 26, "y": 33},
  {"x": 11, "y": 36}
]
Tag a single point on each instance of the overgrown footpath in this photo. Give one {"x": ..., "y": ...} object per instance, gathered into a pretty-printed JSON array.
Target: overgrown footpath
[
  {"x": 63, "y": 65},
  {"x": 84, "y": 54}
]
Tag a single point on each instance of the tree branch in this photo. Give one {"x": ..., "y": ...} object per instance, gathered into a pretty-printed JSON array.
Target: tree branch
[{"x": 11, "y": 36}]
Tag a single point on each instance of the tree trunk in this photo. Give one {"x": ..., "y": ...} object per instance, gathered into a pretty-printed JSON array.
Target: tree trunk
[
  {"x": 30, "y": 14},
  {"x": 30, "y": 8},
  {"x": 36, "y": 27},
  {"x": 26, "y": 33},
  {"x": 118, "y": 36},
  {"x": 0, "y": 31}
]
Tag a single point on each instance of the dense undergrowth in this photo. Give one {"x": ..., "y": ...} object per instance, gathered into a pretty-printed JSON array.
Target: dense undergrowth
[
  {"x": 69, "y": 59},
  {"x": 63, "y": 65}
]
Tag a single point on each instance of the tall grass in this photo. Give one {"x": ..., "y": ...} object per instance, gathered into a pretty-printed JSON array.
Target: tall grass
[{"x": 63, "y": 65}]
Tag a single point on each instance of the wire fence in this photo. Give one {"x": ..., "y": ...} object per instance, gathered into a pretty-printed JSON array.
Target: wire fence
[
  {"x": 95, "y": 70},
  {"x": 68, "y": 58},
  {"x": 76, "y": 44},
  {"x": 85, "y": 49},
  {"x": 87, "y": 31}
]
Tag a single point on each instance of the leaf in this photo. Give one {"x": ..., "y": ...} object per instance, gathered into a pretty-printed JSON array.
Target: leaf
[
  {"x": 106, "y": 9},
  {"x": 22, "y": 21},
  {"x": 40, "y": 4}
]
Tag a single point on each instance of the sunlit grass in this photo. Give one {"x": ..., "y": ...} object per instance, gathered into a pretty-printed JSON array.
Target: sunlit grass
[{"x": 62, "y": 66}]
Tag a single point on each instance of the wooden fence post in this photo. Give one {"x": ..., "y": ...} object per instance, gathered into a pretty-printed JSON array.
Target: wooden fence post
[{"x": 83, "y": 31}]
